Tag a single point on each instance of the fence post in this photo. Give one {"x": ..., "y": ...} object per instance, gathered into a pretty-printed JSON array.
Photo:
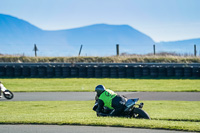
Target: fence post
[
  {"x": 154, "y": 49},
  {"x": 80, "y": 50},
  {"x": 117, "y": 48},
  {"x": 35, "y": 49},
  {"x": 195, "y": 50}
]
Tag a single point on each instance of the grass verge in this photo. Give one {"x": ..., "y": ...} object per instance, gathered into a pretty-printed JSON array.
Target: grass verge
[
  {"x": 109, "y": 59},
  {"x": 171, "y": 115},
  {"x": 88, "y": 84}
]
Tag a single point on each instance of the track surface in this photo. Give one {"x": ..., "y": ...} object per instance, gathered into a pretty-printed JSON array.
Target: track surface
[
  {"x": 85, "y": 96},
  {"x": 75, "y": 129}
]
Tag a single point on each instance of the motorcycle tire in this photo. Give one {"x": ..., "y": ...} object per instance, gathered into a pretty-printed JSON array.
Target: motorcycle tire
[
  {"x": 8, "y": 96},
  {"x": 139, "y": 113}
]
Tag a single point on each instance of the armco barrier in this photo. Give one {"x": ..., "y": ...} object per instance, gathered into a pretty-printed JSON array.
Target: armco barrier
[{"x": 98, "y": 71}]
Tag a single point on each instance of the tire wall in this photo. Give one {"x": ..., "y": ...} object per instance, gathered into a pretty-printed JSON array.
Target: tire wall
[{"x": 87, "y": 71}]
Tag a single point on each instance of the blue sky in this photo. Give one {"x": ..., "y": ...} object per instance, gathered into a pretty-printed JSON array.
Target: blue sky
[{"x": 162, "y": 20}]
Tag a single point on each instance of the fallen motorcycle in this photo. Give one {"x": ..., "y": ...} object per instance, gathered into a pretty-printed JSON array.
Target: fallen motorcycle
[
  {"x": 8, "y": 94},
  {"x": 132, "y": 110}
]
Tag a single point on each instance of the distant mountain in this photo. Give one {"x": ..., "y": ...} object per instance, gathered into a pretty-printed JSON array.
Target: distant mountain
[
  {"x": 18, "y": 36},
  {"x": 182, "y": 46},
  {"x": 102, "y": 39}
]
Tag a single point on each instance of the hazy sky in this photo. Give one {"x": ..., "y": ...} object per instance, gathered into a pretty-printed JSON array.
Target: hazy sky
[{"x": 162, "y": 20}]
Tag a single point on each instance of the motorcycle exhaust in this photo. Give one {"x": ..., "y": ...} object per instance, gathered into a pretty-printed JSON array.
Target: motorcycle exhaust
[{"x": 141, "y": 105}]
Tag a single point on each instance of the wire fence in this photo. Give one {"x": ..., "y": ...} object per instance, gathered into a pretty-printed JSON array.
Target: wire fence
[{"x": 103, "y": 50}]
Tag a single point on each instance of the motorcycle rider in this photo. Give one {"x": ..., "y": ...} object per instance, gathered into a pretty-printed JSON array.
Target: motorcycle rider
[
  {"x": 2, "y": 88},
  {"x": 109, "y": 99}
]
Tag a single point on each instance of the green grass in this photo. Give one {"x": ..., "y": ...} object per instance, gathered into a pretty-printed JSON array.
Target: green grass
[
  {"x": 173, "y": 115},
  {"x": 88, "y": 84}
]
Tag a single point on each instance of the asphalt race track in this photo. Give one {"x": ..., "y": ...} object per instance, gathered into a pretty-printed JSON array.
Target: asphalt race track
[
  {"x": 75, "y": 129},
  {"x": 84, "y": 96}
]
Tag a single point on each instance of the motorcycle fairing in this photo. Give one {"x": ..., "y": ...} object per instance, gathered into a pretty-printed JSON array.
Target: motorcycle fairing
[{"x": 131, "y": 102}]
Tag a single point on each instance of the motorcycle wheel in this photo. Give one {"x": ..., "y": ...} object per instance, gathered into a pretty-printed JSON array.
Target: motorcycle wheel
[
  {"x": 139, "y": 113},
  {"x": 8, "y": 96}
]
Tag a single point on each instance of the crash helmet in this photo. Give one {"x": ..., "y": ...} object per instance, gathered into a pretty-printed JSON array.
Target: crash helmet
[{"x": 100, "y": 89}]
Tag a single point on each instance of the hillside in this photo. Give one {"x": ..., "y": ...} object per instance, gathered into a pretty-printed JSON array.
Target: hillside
[
  {"x": 18, "y": 37},
  {"x": 182, "y": 46}
]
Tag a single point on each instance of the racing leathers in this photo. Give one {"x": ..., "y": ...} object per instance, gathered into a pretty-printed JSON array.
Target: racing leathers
[
  {"x": 2, "y": 89},
  {"x": 112, "y": 101}
]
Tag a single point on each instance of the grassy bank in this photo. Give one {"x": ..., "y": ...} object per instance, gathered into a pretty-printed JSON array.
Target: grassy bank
[
  {"x": 173, "y": 115},
  {"x": 82, "y": 84},
  {"x": 110, "y": 59}
]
